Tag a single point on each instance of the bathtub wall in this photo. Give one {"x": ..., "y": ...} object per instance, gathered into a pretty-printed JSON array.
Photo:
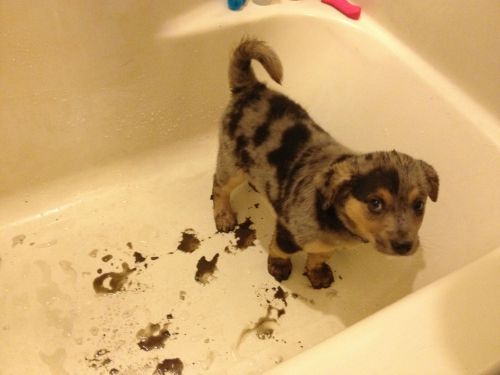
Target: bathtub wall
[
  {"x": 459, "y": 37},
  {"x": 87, "y": 82}
]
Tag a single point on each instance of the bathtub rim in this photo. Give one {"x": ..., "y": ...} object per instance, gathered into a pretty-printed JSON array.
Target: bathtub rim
[{"x": 409, "y": 344}]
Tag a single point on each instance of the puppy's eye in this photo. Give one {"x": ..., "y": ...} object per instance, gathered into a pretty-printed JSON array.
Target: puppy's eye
[
  {"x": 418, "y": 206},
  {"x": 376, "y": 205}
]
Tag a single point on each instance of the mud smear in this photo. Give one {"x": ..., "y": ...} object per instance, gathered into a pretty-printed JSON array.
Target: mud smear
[
  {"x": 18, "y": 240},
  {"x": 231, "y": 248},
  {"x": 189, "y": 242},
  {"x": 332, "y": 293},
  {"x": 153, "y": 337},
  {"x": 117, "y": 280},
  {"x": 281, "y": 295},
  {"x": 182, "y": 295},
  {"x": 245, "y": 236},
  {"x": 99, "y": 360},
  {"x": 169, "y": 366},
  {"x": 275, "y": 297},
  {"x": 107, "y": 258},
  {"x": 93, "y": 253},
  {"x": 302, "y": 298},
  {"x": 138, "y": 257},
  {"x": 263, "y": 328},
  {"x": 280, "y": 312},
  {"x": 206, "y": 269}
]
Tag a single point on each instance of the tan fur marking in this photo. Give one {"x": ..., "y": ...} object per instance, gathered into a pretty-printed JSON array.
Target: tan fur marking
[
  {"x": 387, "y": 197},
  {"x": 356, "y": 211},
  {"x": 318, "y": 247},
  {"x": 414, "y": 194},
  {"x": 317, "y": 259}
]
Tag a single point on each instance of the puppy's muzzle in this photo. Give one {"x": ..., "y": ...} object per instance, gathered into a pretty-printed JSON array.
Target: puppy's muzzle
[{"x": 402, "y": 247}]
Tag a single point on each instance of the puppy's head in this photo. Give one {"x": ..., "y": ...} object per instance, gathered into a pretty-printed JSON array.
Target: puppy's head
[{"x": 380, "y": 197}]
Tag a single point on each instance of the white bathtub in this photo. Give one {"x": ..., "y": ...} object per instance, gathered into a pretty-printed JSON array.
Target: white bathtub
[{"x": 109, "y": 114}]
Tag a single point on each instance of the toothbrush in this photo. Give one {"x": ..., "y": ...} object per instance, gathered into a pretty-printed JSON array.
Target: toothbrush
[
  {"x": 346, "y": 8},
  {"x": 235, "y": 4}
]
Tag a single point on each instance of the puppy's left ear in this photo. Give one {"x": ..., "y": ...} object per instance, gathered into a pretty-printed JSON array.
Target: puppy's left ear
[{"x": 432, "y": 180}]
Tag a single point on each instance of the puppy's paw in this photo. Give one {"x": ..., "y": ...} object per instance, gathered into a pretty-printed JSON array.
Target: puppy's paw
[
  {"x": 320, "y": 277},
  {"x": 279, "y": 268},
  {"x": 225, "y": 221}
]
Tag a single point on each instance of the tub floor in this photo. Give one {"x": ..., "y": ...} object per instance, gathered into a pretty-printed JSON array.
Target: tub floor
[{"x": 59, "y": 316}]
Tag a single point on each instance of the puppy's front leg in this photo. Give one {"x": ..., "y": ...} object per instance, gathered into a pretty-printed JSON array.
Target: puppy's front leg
[
  {"x": 279, "y": 264},
  {"x": 317, "y": 270}
]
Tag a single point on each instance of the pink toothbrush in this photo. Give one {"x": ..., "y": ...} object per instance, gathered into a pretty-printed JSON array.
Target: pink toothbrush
[{"x": 346, "y": 8}]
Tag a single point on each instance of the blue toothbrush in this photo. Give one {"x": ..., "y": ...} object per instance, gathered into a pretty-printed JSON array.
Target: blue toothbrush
[{"x": 235, "y": 4}]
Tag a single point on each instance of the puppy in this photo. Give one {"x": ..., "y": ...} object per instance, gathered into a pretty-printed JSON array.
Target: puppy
[{"x": 324, "y": 194}]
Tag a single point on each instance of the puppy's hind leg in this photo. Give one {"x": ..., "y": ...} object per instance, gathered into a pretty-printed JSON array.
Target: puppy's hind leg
[{"x": 227, "y": 177}]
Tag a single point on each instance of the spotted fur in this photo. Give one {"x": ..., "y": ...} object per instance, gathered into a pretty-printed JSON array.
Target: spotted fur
[{"x": 324, "y": 193}]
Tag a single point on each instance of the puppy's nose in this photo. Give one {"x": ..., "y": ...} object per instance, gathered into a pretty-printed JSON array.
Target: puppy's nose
[{"x": 402, "y": 247}]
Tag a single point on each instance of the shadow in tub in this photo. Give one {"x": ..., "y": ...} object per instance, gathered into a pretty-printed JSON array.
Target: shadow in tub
[{"x": 365, "y": 280}]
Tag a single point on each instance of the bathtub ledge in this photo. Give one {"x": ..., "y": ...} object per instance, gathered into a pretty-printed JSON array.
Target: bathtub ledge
[{"x": 448, "y": 327}]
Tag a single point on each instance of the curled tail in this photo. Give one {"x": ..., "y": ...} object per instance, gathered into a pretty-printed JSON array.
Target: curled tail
[{"x": 241, "y": 74}]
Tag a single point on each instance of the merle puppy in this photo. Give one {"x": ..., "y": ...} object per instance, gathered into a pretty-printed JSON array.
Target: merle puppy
[{"x": 324, "y": 194}]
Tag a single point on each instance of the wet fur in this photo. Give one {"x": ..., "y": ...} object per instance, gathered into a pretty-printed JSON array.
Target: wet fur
[{"x": 322, "y": 191}]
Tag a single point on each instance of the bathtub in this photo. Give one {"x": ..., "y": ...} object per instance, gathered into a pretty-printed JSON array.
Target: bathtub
[{"x": 109, "y": 117}]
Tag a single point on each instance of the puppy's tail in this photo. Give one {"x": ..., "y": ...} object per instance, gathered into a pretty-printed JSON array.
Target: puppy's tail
[{"x": 241, "y": 74}]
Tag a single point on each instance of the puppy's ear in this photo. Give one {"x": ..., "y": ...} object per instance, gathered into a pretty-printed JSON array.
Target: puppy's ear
[
  {"x": 333, "y": 182},
  {"x": 432, "y": 180}
]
